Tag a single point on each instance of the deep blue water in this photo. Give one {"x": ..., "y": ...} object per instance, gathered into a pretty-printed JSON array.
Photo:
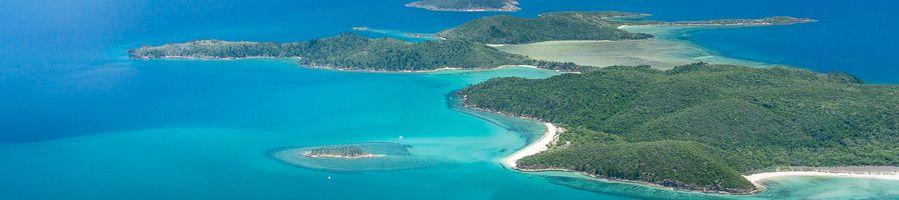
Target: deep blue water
[{"x": 80, "y": 120}]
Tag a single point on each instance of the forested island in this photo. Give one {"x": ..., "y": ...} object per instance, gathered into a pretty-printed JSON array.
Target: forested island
[
  {"x": 347, "y": 152},
  {"x": 349, "y": 51},
  {"x": 768, "y": 21},
  {"x": 505, "y": 29},
  {"x": 605, "y": 25},
  {"x": 462, "y": 47},
  {"x": 467, "y": 5},
  {"x": 700, "y": 126},
  {"x": 778, "y": 20}
]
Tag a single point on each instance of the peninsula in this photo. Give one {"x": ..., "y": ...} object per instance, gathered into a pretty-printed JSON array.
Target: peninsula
[
  {"x": 467, "y": 5},
  {"x": 700, "y": 127}
]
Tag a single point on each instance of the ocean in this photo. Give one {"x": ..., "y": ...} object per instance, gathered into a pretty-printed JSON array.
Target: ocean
[{"x": 80, "y": 120}]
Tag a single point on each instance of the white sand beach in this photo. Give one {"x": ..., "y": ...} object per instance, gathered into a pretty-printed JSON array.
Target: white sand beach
[
  {"x": 552, "y": 132},
  {"x": 885, "y": 173}
]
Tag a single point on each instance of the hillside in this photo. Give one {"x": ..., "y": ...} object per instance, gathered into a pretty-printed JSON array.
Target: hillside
[
  {"x": 354, "y": 52},
  {"x": 505, "y": 29},
  {"x": 698, "y": 126},
  {"x": 467, "y": 5}
]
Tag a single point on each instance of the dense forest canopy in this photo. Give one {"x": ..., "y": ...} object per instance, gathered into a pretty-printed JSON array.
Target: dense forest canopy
[
  {"x": 505, "y": 29},
  {"x": 466, "y": 5},
  {"x": 709, "y": 122},
  {"x": 461, "y": 47},
  {"x": 351, "y": 51}
]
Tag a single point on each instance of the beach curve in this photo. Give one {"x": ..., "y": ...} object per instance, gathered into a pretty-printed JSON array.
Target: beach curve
[
  {"x": 893, "y": 175},
  {"x": 542, "y": 144}
]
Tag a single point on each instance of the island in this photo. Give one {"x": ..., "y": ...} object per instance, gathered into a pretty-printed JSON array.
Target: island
[
  {"x": 768, "y": 21},
  {"x": 506, "y": 29},
  {"x": 468, "y": 46},
  {"x": 350, "y": 51},
  {"x": 700, "y": 127},
  {"x": 467, "y": 5},
  {"x": 358, "y": 157},
  {"x": 695, "y": 127},
  {"x": 344, "y": 152},
  {"x": 558, "y": 26}
]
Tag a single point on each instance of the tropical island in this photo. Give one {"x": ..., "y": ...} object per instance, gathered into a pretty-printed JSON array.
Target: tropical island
[
  {"x": 369, "y": 156},
  {"x": 350, "y": 51},
  {"x": 467, "y": 5},
  {"x": 345, "y": 152},
  {"x": 505, "y": 29},
  {"x": 695, "y": 127},
  {"x": 558, "y": 26},
  {"x": 700, "y": 127},
  {"x": 768, "y": 21},
  {"x": 462, "y": 47}
]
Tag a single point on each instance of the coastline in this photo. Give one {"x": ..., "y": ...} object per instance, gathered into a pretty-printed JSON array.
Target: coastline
[
  {"x": 342, "y": 69},
  {"x": 342, "y": 156},
  {"x": 508, "y": 6},
  {"x": 210, "y": 58},
  {"x": 869, "y": 172},
  {"x": 542, "y": 144},
  {"x": 443, "y": 69}
]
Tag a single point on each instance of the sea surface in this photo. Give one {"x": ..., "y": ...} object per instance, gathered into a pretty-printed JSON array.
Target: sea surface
[{"x": 79, "y": 120}]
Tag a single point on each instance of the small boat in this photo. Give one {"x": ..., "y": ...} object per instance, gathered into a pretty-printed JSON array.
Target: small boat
[{"x": 361, "y": 28}]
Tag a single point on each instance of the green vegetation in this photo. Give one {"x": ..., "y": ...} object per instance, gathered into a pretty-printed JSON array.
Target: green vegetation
[
  {"x": 504, "y": 29},
  {"x": 341, "y": 151},
  {"x": 354, "y": 52},
  {"x": 467, "y": 5},
  {"x": 463, "y": 47},
  {"x": 698, "y": 126},
  {"x": 778, "y": 20}
]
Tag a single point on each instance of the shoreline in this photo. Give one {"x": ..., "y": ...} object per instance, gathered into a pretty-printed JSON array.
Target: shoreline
[
  {"x": 508, "y": 6},
  {"x": 550, "y": 135},
  {"x": 542, "y": 144},
  {"x": 341, "y": 69},
  {"x": 342, "y": 156},
  {"x": 443, "y": 69},
  {"x": 882, "y": 173}
]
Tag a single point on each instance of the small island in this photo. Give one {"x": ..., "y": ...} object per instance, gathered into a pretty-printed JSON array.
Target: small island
[
  {"x": 371, "y": 156},
  {"x": 702, "y": 127},
  {"x": 467, "y": 5},
  {"x": 344, "y": 152}
]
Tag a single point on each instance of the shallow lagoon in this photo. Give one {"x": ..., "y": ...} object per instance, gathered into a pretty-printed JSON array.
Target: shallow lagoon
[{"x": 663, "y": 52}]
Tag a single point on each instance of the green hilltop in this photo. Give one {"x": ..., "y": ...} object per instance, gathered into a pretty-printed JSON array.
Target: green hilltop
[
  {"x": 354, "y": 52},
  {"x": 505, "y": 29},
  {"x": 699, "y": 126},
  {"x": 466, "y": 5},
  {"x": 461, "y": 47}
]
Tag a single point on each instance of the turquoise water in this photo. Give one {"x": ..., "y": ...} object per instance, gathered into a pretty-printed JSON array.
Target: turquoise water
[{"x": 81, "y": 121}]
